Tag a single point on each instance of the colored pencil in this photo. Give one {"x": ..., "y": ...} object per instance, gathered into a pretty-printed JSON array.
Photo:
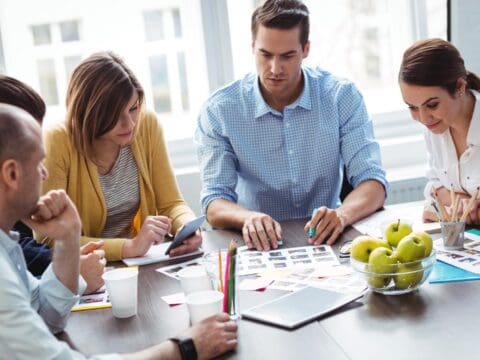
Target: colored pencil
[
  {"x": 470, "y": 204},
  {"x": 227, "y": 274},
  {"x": 220, "y": 272},
  {"x": 443, "y": 211}
]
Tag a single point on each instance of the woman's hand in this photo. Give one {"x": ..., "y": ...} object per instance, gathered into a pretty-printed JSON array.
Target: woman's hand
[
  {"x": 189, "y": 245},
  {"x": 153, "y": 231},
  {"x": 473, "y": 217}
]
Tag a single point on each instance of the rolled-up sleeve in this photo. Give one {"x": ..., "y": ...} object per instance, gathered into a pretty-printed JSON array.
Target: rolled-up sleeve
[
  {"x": 53, "y": 300},
  {"x": 360, "y": 151},
  {"x": 217, "y": 159}
]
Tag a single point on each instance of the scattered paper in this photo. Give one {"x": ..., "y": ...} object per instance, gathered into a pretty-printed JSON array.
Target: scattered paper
[
  {"x": 340, "y": 270},
  {"x": 373, "y": 225},
  {"x": 97, "y": 300},
  {"x": 175, "y": 299},
  {"x": 172, "y": 270},
  {"x": 156, "y": 254},
  {"x": 467, "y": 258},
  {"x": 257, "y": 284},
  {"x": 256, "y": 262}
]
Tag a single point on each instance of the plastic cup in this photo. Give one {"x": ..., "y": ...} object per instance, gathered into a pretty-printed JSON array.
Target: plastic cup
[
  {"x": 122, "y": 288},
  {"x": 194, "y": 278},
  {"x": 453, "y": 234},
  {"x": 203, "y": 304}
]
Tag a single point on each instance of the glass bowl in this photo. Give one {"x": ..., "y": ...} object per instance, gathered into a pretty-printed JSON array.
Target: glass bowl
[{"x": 396, "y": 279}]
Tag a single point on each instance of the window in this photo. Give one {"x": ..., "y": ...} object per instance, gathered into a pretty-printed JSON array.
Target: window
[
  {"x": 160, "y": 87},
  {"x": 363, "y": 41},
  {"x": 182, "y": 50},
  {"x": 69, "y": 31},
  {"x": 48, "y": 81},
  {"x": 163, "y": 49},
  {"x": 54, "y": 49},
  {"x": 153, "y": 21},
  {"x": 41, "y": 34}
]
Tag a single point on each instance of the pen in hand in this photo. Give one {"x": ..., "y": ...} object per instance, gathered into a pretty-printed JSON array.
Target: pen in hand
[{"x": 311, "y": 231}]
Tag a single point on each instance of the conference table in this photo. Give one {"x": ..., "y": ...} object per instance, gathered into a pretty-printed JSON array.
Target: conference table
[{"x": 438, "y": 321}]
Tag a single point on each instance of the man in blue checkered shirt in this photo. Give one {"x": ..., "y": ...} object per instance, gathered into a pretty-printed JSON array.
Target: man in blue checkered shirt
[{"x": 272, "y": 146}]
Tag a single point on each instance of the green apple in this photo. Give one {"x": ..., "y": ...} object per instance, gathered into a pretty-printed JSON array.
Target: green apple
[
  {"x": 410, "y": 248},
  {"x": 396, "y": 231},
  {"x": 378, "y": 282},
  {"x": 427, "y": 241},
  {"x": 381, "y": 261},
  {"x": 408, "y": 275},
  {"x": 363, "y": 245}
]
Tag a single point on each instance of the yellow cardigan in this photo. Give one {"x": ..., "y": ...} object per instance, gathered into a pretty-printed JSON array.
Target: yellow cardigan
[{"x": 159, "y": 193}]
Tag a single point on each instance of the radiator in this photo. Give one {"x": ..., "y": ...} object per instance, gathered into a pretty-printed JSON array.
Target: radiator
[{"x": 406, "y": 190}]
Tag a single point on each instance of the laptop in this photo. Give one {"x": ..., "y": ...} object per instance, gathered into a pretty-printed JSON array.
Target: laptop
[{"x": 296, "y": 309}]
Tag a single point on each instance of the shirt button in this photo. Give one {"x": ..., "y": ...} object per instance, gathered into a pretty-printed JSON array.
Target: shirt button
[
  {"x": 290, "y": 152},
  {"x": 294, "y": 180},
  {"x": 287, "y": 124},
  {"x": 297, "y": 205}
]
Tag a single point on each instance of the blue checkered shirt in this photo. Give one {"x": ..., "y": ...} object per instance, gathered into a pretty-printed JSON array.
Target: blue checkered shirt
[{"x": 285, "y": 164}]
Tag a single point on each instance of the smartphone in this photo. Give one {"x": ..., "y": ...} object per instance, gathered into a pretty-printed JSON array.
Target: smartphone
[
  {"x": 345, "y": 249},
  {"x": 187, "y": 230}
]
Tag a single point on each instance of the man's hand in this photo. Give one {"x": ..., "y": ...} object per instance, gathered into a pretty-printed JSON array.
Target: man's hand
[
  {"x": 189, "y": 245},
  {"x": 259, "y": 230},
  {"x": 56, "y": 217},
  {"x": 153, "y": 231},
  {"x": 92, "y": 265},
  {"x": 213, "y": 336},
  {"x": 328, "y": 225}
]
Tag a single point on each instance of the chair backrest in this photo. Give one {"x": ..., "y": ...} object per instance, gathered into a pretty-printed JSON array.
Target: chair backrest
[
  {"x": 23, "y": 229},
  {"x": 346, "y": 186}
]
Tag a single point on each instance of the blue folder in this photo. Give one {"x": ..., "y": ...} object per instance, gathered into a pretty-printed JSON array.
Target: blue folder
[{"x": 445, "y": 273}]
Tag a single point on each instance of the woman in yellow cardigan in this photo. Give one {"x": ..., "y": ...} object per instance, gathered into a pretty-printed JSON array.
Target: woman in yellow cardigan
[{"x": 110, "y": 157}]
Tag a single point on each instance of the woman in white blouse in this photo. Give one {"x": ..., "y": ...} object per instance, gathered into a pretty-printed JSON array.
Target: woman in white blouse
[{"x": 443, "y": 96}]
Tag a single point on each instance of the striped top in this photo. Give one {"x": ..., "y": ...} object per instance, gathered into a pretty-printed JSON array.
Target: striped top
[{"x": 121, "y": 191}]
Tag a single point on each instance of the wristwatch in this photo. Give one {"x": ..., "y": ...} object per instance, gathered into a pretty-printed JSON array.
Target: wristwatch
[{"x": 186, "y": 347}]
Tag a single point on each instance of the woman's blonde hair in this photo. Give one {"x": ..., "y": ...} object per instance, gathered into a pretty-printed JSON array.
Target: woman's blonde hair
[{"x": 99, "y": 90}]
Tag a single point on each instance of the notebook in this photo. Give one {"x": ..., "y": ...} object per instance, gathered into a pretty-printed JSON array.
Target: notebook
[
  {"x": 293, "y": 310},
  {"x": 445, "y": 273}
]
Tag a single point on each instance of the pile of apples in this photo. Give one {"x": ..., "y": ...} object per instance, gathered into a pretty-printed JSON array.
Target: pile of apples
[{"x": 397, "y": 256}]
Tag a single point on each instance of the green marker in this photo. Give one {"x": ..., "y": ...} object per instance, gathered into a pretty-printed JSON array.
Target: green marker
[{"x": 311, "y": 231}]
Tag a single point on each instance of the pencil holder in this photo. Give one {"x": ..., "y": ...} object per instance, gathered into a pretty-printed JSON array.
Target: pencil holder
[
  {"x": 224, "y": 282},
  {"x": 453, "y": 234}
]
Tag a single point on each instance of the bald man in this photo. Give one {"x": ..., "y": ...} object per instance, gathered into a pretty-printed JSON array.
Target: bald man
[{"x": 31, "y": 309}]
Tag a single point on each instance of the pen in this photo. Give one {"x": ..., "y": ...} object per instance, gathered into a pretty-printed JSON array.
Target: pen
[
  {"x": 437, "y": 212},
  {"x": 311, "y": 231}
]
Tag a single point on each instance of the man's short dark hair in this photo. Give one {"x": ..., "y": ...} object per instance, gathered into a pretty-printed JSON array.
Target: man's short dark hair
[
  {"x": 282, "y": 14},
  {"x": 16, "y": 140},
  {"x": 17, "y": 93}
]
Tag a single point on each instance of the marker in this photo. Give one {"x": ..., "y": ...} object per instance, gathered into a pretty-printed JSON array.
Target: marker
[{"x": 311, "y": 231}]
